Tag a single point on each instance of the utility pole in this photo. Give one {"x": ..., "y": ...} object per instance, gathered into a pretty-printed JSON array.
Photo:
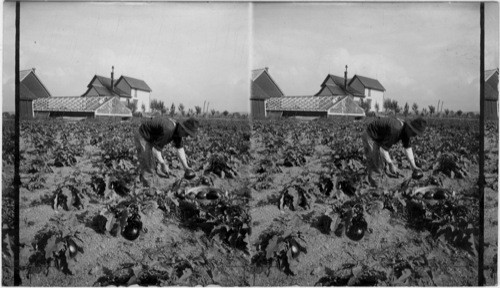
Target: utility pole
[
  {"x": 17, "y": 178},
  {"x": 481, "y": 180}
]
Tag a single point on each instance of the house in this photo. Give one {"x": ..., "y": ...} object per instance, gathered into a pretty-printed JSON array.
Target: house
[
  {"x": 30, "y": 89},
  {"x": 138, "y": 90},
  {"x": 85, "y": 107},
  {"x": 491, "y": 94},
  {"x": 263, "y": 87},
  {"x": 359, "y": 87},
  {"x": 373, "y": 90},
  {"x": 128, "y": 89},
  {"x": 314, "y": 106}
]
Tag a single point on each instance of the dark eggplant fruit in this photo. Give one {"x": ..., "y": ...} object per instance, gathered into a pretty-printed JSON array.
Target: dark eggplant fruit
[
  {"x": 189, "y": 174},
  {"x": 132, "y": 230},
  {"x": 73, "y": 249},
  {"x": 440, "y": 194},
  {"x": 347, "y": 187},
  {"x": 213, "y": 195},
  {"x": 417, "y": 174},
  {"x": 120, "y": 187},
  {"x": 205, "y": 181},
  {"x": 356, "y": 228}
]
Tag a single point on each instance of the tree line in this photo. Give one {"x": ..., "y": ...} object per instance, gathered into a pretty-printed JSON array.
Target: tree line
[
  {"x": 158, "y": 106},
  {"x": 392, "y": 106}
]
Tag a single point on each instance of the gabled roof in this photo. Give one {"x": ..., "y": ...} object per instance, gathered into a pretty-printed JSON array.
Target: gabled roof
[
  {"x": 336, "y": 79},
  {"x": 33, "y": 90},
  {"x": 350, "y": 90},
  {"x": 24, "y": 73},
  {"x": 302, "y": 103},
  {"x": 491, "y": 85},
  {"x": 25, "y": 93},
  {"x": 489, "y": 73},
  {"x": 105, "y": 81},
  {"x": 70, "y": 104},
  {"x": 256, "y": 73},
  {"x": 105, "y": 89},
  {"x": 266, "y": 88},
  {"x": 135, "y": 83},
  {"x": 339, "y": 81},
  {"x": 257, "y": 93},
  {"x": 369, "y": 82}
]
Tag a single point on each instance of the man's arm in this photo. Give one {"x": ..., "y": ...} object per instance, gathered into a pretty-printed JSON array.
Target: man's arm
[
  {"x": 411, "y": 158},
  {"x": 387, "y": 159},
  {"x": 157, "y": 155},
  {"x": 181, "y": 154}
]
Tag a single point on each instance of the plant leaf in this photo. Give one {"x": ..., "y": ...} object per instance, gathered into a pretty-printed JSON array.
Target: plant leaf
[
  {"x": 50, "y": 248},
  {"x": 271, "y": 247}
]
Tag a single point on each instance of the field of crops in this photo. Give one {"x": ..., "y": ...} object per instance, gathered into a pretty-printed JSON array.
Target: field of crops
[{"x": 291, "y": 207}]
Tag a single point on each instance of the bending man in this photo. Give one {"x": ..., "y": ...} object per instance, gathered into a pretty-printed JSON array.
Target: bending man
[
  {"x": 379, "y": 137},
  {"x": 153, "y": 135}
]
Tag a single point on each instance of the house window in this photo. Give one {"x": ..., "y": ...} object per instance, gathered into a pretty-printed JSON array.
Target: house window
[
  {"x": 135, "y": 93},
  {"x": 369, "y": 92}
]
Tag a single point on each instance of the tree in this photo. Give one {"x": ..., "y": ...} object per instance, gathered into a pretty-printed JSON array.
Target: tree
[
  {"x": 414, "y": 107},
  {"x": 406, "y": 109},
  {"x": 365, "y": 105},
  {"x": 432, "y": 109},
  {"x": 198, "y": 110},
  {"x": 172, "y": 110},
  {"x": 225, "y": 113},
  {"x": 446, "y": 112},
  {"x": 143, "y": 107},
  {"x": 424, "y": 112},
  {"x": 181, "y": 109},
  {"x": 190, "y": 112},
  {"x": 213, "y": 112},
  {"x": 387, "y": 104},
  {"x": 459, "y": 113},
  {"x": 391, "y": 105},
  {"x": 132, "y": 105},
  {"x": 157, "y": 105},
  {"x": 395, "y": 107},
  {"x": 377, "y": 107}
]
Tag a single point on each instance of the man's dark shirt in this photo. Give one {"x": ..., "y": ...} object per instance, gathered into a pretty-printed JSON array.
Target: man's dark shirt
[
  {"x": 161, "y": 131},
  {"x": 388, "y": 131}
]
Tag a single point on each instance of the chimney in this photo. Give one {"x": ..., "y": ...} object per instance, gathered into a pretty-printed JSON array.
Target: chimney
[
  {"x": 112, "y": 78},
  {"x": 345, "y": 78},
  {"x": 267, "y": 69},
  {"x": 33, "y": 70}
]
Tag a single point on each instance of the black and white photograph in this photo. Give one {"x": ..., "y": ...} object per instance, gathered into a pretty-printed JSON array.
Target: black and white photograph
[
  {"x": 250, "y": 143},
  {"x": 134, "y": 141}
]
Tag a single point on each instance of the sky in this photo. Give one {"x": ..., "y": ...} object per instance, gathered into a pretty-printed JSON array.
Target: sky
[
  {"x": 420, "y": 52},
  {"x": 186, "y": 52},
  {"x": 194, "y": 52}
]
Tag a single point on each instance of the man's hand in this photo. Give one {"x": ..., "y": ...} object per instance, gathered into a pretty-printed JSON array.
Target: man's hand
[
  {"x": 164, "y": 169},
  {"x": 393, "y": 171}
]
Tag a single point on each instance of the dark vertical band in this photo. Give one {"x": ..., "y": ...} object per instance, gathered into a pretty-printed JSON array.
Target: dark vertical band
[
  {"x": 481, "y": 180},
  {"x": 17, "y": 180}
]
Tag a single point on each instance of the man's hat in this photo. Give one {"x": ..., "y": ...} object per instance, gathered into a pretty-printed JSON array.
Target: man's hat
[
  {"x": 418, "y": 125},
  {"x": 190, "y": 126}
]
